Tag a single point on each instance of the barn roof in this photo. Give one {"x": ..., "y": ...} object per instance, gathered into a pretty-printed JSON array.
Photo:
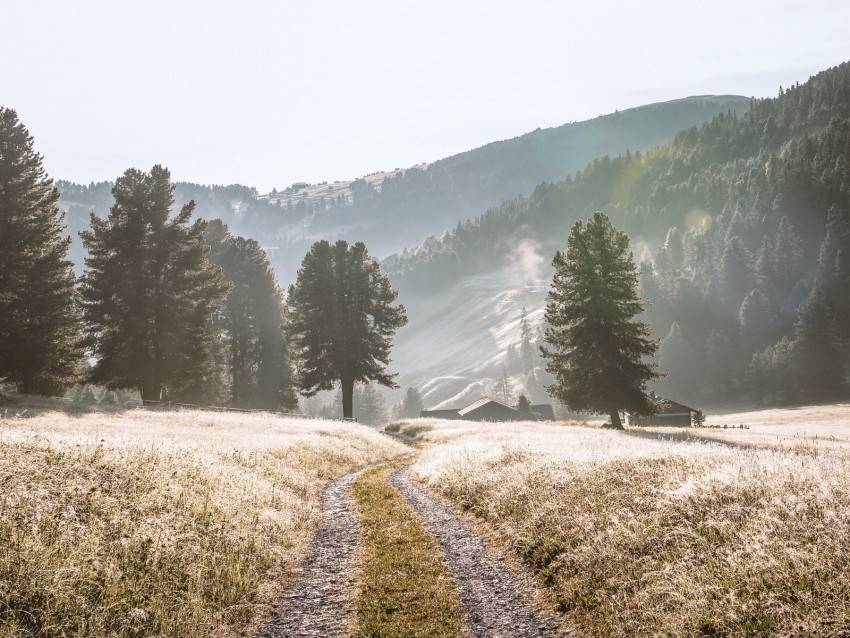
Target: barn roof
[
  {"x": 667, "y": 406},
  {"x": 544, "y": 411},
  {"x": 477, "y": 404}
]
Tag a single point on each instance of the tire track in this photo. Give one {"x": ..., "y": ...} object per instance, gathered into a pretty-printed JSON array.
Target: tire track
[
  {"x": 497, "y": 602},
  {"x": 322, "y": 600}
]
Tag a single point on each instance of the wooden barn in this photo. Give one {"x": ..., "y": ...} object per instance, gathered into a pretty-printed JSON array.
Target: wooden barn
[
  {"x": 487, "y": 409},
  {"x": 670, "y": 413}
]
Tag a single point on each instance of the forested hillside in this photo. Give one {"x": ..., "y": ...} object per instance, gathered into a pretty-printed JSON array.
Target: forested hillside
[
  {"x": 743, "y": 228},
  {"x": 407, "y": 205}
]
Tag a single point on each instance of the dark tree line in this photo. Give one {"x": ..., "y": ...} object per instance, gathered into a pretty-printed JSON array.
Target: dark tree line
[{"x": 174, "y": 308}]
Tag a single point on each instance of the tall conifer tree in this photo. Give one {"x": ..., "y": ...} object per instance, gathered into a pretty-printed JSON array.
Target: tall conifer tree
[
  {"x": 817, "y": 350},
  {"x": 253, "y": 352},
  {"x": 597, "y": 346},
  {"x": 40, "y": 338},
  {"x": 342, "y": 320},
  {"x": 149, "y": 293}
]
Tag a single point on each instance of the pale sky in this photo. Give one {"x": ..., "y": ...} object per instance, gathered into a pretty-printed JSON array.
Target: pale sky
[{"x": 268, "y": 93}]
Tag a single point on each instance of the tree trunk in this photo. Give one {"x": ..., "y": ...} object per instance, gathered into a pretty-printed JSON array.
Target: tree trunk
[
  {"x": 615, "y": 419},
  {"x": 347, "y": 398}
]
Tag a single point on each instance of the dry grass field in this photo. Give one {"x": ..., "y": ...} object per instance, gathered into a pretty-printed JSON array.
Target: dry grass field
[
  {"x": 654, "y": 533},
  {"x": 136, "y": 523}
]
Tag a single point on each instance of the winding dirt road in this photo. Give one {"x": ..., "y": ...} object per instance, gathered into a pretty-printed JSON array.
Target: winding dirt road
[{"x": 322, "y": 602}]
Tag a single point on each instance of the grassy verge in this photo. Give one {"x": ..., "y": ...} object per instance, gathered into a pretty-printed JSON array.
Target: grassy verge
[
  {"x": 142, "y": 524},
  {"x": 632, "y": 537},
  {"x": 406, "y": 591}
]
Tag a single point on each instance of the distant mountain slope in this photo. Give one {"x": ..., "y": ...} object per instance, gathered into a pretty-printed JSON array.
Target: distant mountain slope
[
  {"x": 393, "y": 209},
  {"x": 398, "y": 208},
  {"x": 734, "y": 219}
]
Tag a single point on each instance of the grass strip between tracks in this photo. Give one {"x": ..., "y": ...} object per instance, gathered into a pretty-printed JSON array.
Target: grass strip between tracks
[{"x": 406, "y": 590}]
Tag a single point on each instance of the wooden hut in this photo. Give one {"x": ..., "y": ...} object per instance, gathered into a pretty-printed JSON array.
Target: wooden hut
[
  {"x": 669, "y": 413},
  {"x": 487, "y": 409}
]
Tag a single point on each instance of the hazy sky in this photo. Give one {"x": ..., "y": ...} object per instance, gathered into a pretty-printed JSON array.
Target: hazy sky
[{"x": 266, "y": 93}]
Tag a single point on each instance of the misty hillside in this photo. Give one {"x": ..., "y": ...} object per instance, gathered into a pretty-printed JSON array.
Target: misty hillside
[
  {"x": 398, "y": 208},
  {"x": 734, "y": 220}
]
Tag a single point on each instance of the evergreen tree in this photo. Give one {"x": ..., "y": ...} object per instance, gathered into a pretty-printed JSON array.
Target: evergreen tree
[
  {"x": 149, "y": 293},
  {"x": 755, "y": 321},
  {"x": 834, "y": 266},
  {"x": 503, "y": 388},
  {"x": 411, "y": 405},
  {"x": 254, "y": 351},
  {"x": 523, "y": 406},
  {"x": 735, "y": 274},
  {"x": 40, "y": 338},
  {"x": 370, "y": 406},
  {"x": 788, "y": 256},
  {"x": 512, "y": 360},
  {"x": 597, "y": 346},
  {"x": 817, "y": 349},
  {"x": 766, "y": 277},
  {"x": 342, "y": 320},
  {"x": 777, "y": 376}
]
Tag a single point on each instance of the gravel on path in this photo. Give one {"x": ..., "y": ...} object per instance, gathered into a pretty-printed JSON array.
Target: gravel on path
[
  {"x": 322, "y": 600},
  {"x": 497, "y": 601}
]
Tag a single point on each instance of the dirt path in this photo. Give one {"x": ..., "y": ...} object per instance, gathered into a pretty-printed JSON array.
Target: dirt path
[
  {"x": 498, "y": 604},
  {"x": 321, "y": 602}
]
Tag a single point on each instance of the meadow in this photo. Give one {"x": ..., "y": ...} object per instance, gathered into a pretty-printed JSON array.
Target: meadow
[
  {"x": 664, "y": 532},
  {"x": 138, "y": 523},
  {"x": 126, "y": 522}
]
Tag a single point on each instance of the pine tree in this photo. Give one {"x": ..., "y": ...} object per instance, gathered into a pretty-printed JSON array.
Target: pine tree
[
  {"x": 834, "y": 266},
  {"x": 820, "y": 365},
  {"x": 149, "y": 293},
  {"x": 788, "y": 260},
  {"x": 254, "y": 352},
  {"x": 755, "y": 377},
  {"x": 503, "y": 388},
  {"x": 512, "y": 360},
  {"x": 523, "y": 406},
  {"x": 342, "y": 320},
  {"x": 40, "y": 336},
  {"x": 735, "y": 274},
  {"x": 370, "y": 407},
  {"x": 755, "y": 321},
  {"x": 597, "y": 346},
  {"x": 411, "y": 405}
]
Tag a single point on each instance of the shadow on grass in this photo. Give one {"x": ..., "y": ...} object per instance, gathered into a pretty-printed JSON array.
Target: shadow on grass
[{"x": 690, "y": 437}]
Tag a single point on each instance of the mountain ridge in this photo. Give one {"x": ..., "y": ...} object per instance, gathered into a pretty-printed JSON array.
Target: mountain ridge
[{"x": 407, "y": 205}]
